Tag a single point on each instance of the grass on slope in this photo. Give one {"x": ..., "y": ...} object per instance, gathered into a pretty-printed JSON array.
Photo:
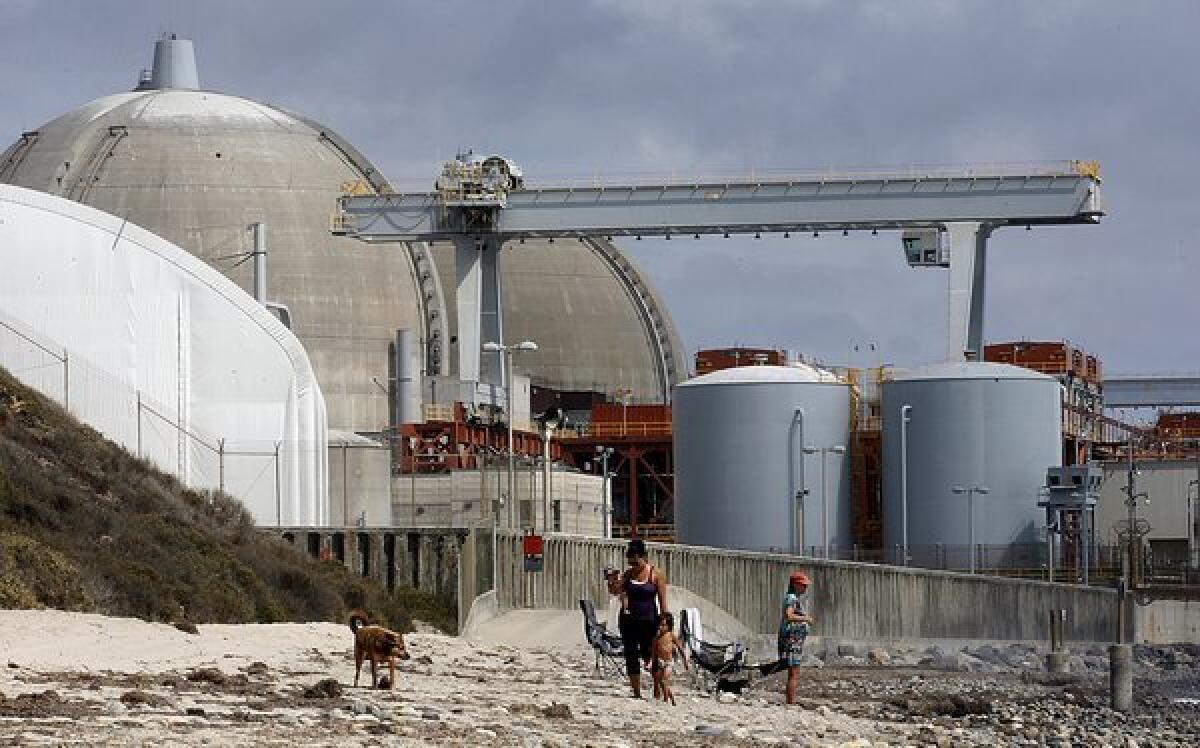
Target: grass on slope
[{"x": 86, "y": 526}]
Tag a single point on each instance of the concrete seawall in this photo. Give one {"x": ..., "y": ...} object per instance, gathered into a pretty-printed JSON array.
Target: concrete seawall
[
  {"x": 848, "y": 600},
  {"x": 448, "y": 562}
]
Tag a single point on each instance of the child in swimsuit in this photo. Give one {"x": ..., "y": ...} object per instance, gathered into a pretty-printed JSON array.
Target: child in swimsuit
[{"x": 666, "y": 645}]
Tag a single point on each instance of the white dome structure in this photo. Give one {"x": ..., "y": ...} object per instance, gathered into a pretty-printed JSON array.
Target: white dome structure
[
  {"x": 162, "y": 354},
  {"x": 198, "y": 167}
]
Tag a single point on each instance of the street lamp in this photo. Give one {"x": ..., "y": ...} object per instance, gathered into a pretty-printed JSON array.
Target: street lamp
[
  {"x": 506, "y": 375},
  {"x": 970, "y": 491},
  {"x": 837, "y": 450},
  {"x": 606, "y": 499}
]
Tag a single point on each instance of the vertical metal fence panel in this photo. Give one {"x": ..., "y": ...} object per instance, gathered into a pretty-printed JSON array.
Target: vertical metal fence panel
[{"x": 853, "y": 600}]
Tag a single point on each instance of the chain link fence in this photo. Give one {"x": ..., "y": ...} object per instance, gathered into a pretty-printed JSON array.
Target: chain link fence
[{"x": 247, "y": 469}]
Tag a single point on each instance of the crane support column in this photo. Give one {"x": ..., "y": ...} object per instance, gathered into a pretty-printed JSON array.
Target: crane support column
[
  {"x": 492, "y": 370},
  {"x": 477, "y": 270},
  {"x": 968, "y": 271}
]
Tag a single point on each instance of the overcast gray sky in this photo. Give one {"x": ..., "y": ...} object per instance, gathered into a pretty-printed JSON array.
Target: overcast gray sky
[{"x": 623, "y": 86}]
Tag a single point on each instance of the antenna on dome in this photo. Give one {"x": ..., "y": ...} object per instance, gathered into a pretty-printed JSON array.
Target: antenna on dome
[{"x": 174, "y": 66}]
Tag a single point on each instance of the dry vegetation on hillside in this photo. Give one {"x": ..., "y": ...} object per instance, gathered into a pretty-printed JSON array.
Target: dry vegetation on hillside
[{"x": 86, "y": 526}]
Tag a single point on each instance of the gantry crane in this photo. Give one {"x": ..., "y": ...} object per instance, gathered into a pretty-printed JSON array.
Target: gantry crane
[{"x": 945, "y": 216}]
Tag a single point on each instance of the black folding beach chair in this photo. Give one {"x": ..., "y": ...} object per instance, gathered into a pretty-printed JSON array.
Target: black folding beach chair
[
  {"x": 722, "y": 666},
  {"x": 610, "y": 650}
]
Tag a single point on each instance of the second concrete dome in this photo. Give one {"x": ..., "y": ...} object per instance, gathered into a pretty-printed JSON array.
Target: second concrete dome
[{"x": 198, "y": 167}]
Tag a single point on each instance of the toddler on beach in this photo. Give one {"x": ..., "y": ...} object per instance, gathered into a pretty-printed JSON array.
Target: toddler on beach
[{"x": 666, "y": 645}]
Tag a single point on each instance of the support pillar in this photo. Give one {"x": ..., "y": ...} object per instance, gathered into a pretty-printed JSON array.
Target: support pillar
[
  {"x": 480, "y": 318},
  {"x": 968, "y": 261},
  {"x": 1120, "y": 677},
  {"x": 468, "y": 271},
  {"x": 633, "y": 492}
]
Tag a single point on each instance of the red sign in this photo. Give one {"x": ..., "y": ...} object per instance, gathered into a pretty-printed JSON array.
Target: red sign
[{"x": 531, "y": 546}]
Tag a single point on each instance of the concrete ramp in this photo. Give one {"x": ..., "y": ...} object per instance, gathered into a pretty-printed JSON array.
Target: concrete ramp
[
  {"x": 562, "y": 630},
  {"x": 529, "y": 629}
]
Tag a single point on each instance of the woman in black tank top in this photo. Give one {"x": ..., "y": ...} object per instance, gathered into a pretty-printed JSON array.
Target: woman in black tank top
[{"x": 643, "y": 592}]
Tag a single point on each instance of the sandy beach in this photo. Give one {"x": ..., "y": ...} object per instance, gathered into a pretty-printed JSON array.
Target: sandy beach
[{"x": 69, "y": 678}]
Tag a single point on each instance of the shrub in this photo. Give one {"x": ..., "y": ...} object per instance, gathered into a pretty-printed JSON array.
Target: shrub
[{"x": 85, "y": 525}]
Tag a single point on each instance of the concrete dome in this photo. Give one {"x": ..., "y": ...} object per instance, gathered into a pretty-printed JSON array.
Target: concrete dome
[
  {"x": 197, "y": 168},
  {"x": 599, "y": 324}
]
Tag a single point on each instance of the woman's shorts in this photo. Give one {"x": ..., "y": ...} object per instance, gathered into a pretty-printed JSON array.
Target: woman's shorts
[{"x": 791, "y": 646}]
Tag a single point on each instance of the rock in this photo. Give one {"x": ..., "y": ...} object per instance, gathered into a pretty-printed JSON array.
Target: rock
[
  {"x": 712, "y": 731},
  {"x": 424, "y": 660},
  {"x": 186, "y": 627},
  {"x": 115, "y": 708},
  {"x": 257, "y": 668},
  {"x": 851, "y": 649},
  {"x": 359, "y": 708},
  {"x": 208, "y": 675},
  {"x": 327, "y": 688},
  {"x": 557, "y": 711},
  {"x": 725, "y": 697},
  {"x": 13, "y": 665},
  {"x": 141, "y": 698},
  {"x": 194, "y": 711},
  {"x": 878, "y": 656}
]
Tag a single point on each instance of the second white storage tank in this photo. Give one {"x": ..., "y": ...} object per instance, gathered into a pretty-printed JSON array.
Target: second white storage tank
[
  {"x": 741, "y": 459},
  {"x": 970, "y": 425}
]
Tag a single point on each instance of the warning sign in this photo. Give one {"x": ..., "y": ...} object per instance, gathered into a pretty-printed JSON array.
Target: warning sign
[{"x": 531, "y": 546}]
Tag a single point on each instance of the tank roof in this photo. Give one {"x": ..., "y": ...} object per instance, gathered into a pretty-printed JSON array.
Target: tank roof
[
  {"x": 966, "y": 370},
  {"x": 797, "y": 373}
]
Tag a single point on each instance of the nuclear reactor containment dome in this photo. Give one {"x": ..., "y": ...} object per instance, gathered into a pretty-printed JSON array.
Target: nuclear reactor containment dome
[
  {"x": 598, "y": 322},
  {"x": 749, "y": 448},
  {"x": 986, "y": 425},
  {"x": 198, "y": 167}
]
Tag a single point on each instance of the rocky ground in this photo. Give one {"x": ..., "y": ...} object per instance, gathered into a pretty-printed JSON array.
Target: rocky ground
[{"x": 79, "y": 679}]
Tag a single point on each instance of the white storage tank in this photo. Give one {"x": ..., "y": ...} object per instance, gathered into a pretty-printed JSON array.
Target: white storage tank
[
  {"x": 970, "y": 425},
  {"x": 741, "y": 463}
]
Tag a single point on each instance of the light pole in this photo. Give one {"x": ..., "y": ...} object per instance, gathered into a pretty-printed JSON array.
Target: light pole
[
  {"x": 970, "y": 491},
  {"x": 506, "y": 375},
  {"x": 412, "y": 499},
  {"x": 905, "y": 417},
  {"x": 606, "y": 498},
  {"x": 551, "y": 419},
  {"x": 837, "y": 449},
  {"x": 1191, "y": 513}
]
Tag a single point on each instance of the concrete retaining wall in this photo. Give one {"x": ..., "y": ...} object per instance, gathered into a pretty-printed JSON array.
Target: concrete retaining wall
[
  {"x": 848, "y": 600},
  {"x": 1168, "y": 622},
  {"x": 450, "y": 562}
]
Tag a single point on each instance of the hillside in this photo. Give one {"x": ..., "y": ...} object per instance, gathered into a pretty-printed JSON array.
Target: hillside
[{"x": 86, "y": 526}]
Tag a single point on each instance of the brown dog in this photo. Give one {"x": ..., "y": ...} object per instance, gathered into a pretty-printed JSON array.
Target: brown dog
[{"x": 375, "y": 643}]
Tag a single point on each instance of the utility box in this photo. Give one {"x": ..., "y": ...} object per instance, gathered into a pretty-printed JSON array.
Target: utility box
[{"x": 925, "y": 248}]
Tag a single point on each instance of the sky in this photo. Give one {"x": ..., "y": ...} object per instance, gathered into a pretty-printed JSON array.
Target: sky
[{"x": 625, "y": 87}]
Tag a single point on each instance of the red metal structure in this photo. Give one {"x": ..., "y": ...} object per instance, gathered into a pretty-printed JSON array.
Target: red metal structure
[{"x": 642, "y": 468}]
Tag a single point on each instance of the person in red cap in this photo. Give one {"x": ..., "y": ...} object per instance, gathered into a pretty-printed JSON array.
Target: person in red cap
[{"x": 793, "y": 629}]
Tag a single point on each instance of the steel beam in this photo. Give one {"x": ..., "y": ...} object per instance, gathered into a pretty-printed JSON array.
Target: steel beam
[
  {"x": 964, "y": 314},
  {"x": 733, "y": 207},
  {"x": 968, "y": 206},
  {"x": 1139, "y": 391}
]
